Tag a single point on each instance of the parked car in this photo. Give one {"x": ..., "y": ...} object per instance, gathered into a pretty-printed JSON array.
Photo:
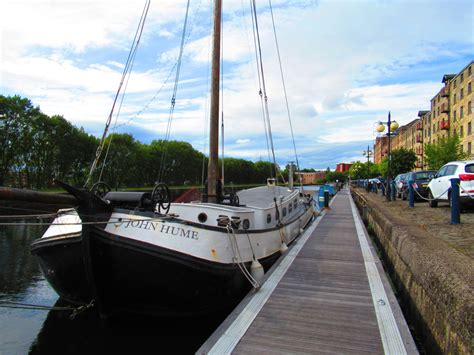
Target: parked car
[
  {"x": 420, "y": 182},
  {"x": 400, "y": 187},
  {"x": 376, "y": 182},
  {"x": 439, "y": 188}
]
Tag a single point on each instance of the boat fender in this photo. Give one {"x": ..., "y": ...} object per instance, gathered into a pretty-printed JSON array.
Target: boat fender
[
  {"x": 256, "y": 270},
  {"x": 283, "y": 247}
]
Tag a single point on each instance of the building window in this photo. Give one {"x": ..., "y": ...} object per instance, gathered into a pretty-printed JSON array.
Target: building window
[
  {"x": 454, "y": 116},
  {"x": 469, "y": 89},
  {"x": 437, "y": 128},
  {"x": 429, "y": 131},
  {"x": 461, "y": 94},
  {"x": 469, "y": 108},
  {"x": 461, "y": 134},
  {"x": 461, "y": 112},
  {"x": 438, "y": 111},
  {"x": 469, "y": 71},
  {"x": 469, "y": 128},
  {"x": 438, "y": 98},
  {"x": 469, "y": 148},
  {"x": 454, "y": 82},
  {"x": 454, "y": 99},
  {"x": 462, "y": 77}
]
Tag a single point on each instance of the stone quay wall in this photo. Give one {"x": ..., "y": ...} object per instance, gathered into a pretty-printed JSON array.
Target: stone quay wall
[{"x": 433, "y": 280}]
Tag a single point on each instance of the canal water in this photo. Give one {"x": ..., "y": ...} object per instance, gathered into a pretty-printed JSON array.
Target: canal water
[{"x": 34, "y": 331}]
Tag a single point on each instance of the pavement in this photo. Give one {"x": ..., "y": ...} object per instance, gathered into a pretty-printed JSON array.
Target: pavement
[{"x": 435, "y": 221}]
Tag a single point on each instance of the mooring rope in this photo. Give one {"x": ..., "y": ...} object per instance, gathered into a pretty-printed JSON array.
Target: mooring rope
[
  {"x": 237, "y": 258},
  {"x": 21, "y": 305}
]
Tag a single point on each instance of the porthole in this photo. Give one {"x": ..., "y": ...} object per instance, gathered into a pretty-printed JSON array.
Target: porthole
[
  {"x": 202, "y": 217},
  {"x": 269, "y": 218},
  {"x": 284, "y": 211},
  {"x": 245, "y": 224}
]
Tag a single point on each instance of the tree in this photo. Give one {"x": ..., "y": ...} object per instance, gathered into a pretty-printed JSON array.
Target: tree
[
  {"x": 16, "y": 113},
  {"x": 403, "y": 161},
  {"x": 358, "y": 170},
  {"x": 448, "y": 149}
]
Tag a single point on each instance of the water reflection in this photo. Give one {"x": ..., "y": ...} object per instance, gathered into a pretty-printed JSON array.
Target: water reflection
[
  {"x": 18, "y": 268},
  {"x": 42, "y": 332},
  {"x": 87, "y": 333}
]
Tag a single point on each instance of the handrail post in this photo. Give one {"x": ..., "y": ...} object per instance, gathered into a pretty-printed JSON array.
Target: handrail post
[{"x": 455, "y": 201}]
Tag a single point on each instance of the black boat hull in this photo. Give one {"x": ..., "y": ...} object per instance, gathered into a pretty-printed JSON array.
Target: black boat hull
[{"x": 136, "y": 277}]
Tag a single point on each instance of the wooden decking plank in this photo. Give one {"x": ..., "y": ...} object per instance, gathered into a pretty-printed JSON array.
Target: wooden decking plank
[{"x": 323, "y": 303}]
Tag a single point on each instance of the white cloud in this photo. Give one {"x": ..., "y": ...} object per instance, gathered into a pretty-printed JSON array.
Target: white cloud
[
  {"x": 346, "y": 64},
  {"x": 242, "y": 141}
]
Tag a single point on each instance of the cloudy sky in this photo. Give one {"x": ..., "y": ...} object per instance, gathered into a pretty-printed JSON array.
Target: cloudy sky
[{"x": 346, "y": 64}]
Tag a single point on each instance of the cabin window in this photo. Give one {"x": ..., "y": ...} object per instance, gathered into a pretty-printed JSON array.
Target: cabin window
[
  {"x": 284, "y": 211},
  {"x": 202, "y": 217},
  {"x": 269, "y": 218},
  {"x": 295, "y": 203},
  {"x": 246, "y": 223},
  {"x": 290, "y": 208}
]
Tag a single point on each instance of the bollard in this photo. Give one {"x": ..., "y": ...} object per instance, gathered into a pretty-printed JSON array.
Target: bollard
[
  {"x": 411, "y": 194},
  {"x": 393, "y": 191},
  {"x": 326, "y": 199},
  {"x": 455, "y": 201}
]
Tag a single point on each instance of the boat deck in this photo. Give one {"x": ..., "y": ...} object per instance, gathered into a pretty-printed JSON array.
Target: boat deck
[
  {"x": 328, "y": 294},
  {"x": 262, "y": 196}
]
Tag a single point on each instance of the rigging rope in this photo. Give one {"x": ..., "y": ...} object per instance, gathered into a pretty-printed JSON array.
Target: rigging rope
[
  {"x": 147, "y": 105},
  {"x": 264, "y": 93},
  {"x": 126, "y": 72},
  {"x": 173, "y": 97},
  {"x": 284, "y": 88},
  {"x": 260, "y": 90}
]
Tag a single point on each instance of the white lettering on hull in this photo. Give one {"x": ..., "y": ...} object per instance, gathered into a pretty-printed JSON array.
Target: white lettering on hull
[{"x": 162, "y": 228}]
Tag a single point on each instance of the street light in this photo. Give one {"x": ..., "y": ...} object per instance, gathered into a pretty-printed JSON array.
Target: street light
[
  {"x": 368, "y": 153},
  {"x": 392, "y": 126}
]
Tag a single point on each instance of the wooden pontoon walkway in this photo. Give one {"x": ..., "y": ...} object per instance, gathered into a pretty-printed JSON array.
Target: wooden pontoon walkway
[{"x": 327, "y": 295}]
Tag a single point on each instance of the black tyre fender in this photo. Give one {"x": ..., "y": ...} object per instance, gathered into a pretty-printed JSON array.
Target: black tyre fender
[{"x": 432, "y": 202}]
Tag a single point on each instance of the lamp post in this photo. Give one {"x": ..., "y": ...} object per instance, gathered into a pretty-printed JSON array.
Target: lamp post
[
  {"x": 392, "y": 126},
  {"x": 368, "y": 153}
]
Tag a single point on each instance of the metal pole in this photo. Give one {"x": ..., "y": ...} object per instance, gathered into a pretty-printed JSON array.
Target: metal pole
[
  {"x": 455, "y": 201},
  {"x": 387, "y": 193},
  {"x": 368, "y": 168}
]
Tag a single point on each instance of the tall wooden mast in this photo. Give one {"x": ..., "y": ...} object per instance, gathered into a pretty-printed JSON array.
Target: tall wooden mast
[{"x": 212, "y": 170}]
